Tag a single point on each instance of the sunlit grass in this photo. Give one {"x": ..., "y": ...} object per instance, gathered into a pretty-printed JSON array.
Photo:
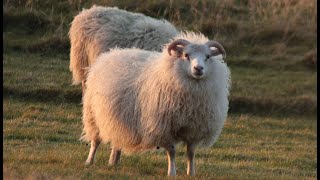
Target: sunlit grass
[
  {"x": 260, "y": 147},
  {"x": 42, "y": 126}
]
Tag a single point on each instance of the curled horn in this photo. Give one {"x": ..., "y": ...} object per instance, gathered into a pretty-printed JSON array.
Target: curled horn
[
  {"x": 218, "y": 46},
  {"x": 174, "y": 44}
]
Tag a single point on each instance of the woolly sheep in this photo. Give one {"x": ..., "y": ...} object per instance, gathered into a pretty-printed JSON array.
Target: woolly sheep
[
  {"x": 139, "y": 100},
  {"x": 98, "y": 29}
]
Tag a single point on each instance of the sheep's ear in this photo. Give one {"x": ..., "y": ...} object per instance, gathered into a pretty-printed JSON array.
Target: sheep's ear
[
  {"x": 219, "y": 48},
  {"x": 214, "y": 52},
  {"x": 178, "y": 51},
  {"x": 177, "y": 46}
]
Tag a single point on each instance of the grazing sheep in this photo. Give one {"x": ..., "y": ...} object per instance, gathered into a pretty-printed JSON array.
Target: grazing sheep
[
  {"x": 98, "y": 29},
  {"x": 139, "y": 100}
]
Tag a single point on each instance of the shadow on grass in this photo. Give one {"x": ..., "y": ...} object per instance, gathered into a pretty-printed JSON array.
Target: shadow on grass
[
  {"x": 265, "y": 106},
  {"x": 44, "y": 95},
  {"x": 263, "y": 65},
  {"x": 47, "y": 138},
  {"x": 48, "y": 46},
  {"x": 255, "y": 106}
]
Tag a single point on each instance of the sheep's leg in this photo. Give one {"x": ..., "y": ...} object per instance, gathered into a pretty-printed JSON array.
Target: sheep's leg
[
  {"x": 92, "y": 152},
  {"x": 190, "y": 155},
  {"x": 171, "y": 152},
  {"x": 114, "y": 156}
]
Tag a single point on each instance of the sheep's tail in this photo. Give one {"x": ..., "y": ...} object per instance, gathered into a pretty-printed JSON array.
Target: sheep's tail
[
  {"x": 78, "y": 55},
  {"x": 78, "y": 61}
]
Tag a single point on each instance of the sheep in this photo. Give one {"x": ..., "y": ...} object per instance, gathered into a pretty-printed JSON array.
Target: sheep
[
  {"x": 98, "y": 29},
  {"x": 139, "y": 100}
]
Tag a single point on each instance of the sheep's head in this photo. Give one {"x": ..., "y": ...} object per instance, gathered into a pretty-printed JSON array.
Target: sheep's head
[{"x": 196, "y": 59}]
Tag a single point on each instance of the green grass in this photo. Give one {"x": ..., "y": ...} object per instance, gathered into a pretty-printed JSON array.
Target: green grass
[
  {"x": 41, "y": 139},
  {"x": 270, "y": 132}
]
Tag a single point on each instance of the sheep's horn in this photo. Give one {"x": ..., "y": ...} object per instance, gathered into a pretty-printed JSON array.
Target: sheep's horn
[
  {"x": 174, "y": 44},
  {"x": 218, "y": 46}
]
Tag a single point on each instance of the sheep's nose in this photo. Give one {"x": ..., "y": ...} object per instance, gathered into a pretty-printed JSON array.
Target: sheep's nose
[{"x": 198, "y": 68}]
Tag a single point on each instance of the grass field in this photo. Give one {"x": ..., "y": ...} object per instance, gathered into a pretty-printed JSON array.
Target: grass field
[{"x": 271, "y": 130}]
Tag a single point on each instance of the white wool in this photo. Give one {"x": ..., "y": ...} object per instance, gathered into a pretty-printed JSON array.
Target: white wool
[
  {"x": 137, "y": 99},
  {"x": 98, "y": 29}
]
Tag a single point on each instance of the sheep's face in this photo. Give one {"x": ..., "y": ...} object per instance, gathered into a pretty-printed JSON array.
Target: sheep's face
[{"x": 196, "y": 60}]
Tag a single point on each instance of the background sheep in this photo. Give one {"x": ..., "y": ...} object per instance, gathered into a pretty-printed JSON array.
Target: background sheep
[
  {"x": 98, "y": 29},
  {"x": 139, "y": 100}
]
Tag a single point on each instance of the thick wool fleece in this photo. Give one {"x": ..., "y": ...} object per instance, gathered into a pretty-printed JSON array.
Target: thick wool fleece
[
  {"x": 138, "y": 100},
  {"x": 96, "y": 30}
]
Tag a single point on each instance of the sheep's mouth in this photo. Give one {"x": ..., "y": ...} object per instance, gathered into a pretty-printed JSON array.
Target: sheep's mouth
[{"x": 198, "y": 75}]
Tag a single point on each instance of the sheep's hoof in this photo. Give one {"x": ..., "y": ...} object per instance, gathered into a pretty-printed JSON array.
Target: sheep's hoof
[
  {"x": 112, "y": 163},
  {"x": 172, "y": 174},
  {"x": 87, "y": 164}
]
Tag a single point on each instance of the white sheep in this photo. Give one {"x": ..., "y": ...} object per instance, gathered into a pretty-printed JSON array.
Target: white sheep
[
  {"x": 139, "y": 100},
  {"x": 98, "y": 29}
]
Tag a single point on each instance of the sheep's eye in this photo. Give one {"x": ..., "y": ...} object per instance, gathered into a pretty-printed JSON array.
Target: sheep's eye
[
  {"x": 187, "y": 56},
  {"x": 207, "y": 57}
]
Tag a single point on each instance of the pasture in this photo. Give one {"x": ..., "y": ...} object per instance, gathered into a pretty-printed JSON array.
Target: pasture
[{"x": 271, "y": 129}]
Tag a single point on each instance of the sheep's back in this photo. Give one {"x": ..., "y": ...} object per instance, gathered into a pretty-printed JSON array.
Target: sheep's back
[{"x": 109, "y": 27}]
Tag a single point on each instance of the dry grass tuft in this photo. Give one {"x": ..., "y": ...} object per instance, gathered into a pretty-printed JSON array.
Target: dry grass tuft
[
  {"x": 310, "y": 58},
  {"x": 236, "y": 22}
]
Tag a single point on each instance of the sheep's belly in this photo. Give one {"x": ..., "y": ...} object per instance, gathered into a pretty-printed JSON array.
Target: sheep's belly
[{"x": 194, "y": 134}]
